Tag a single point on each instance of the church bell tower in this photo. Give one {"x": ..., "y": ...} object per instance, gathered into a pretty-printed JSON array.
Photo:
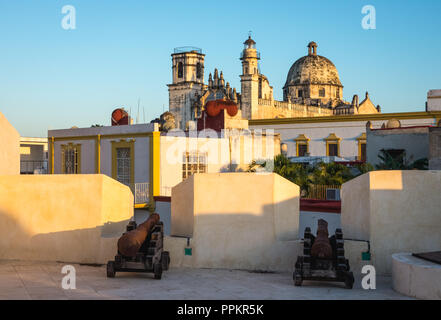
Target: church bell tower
[
  {"x": 188, "y": 83},
  {"x": 249, "y": 79}
]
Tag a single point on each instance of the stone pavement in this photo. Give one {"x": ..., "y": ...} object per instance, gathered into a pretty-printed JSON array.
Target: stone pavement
[{"x": 40, "y": 280}]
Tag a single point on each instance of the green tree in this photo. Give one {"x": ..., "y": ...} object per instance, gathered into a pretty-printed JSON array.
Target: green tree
[
  {"x": 307, "y": 175},
  {"x": 400, "y": 162},
  {"x": 331, "y": 174}
]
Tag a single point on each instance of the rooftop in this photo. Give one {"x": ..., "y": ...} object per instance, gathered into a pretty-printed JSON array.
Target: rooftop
[
  {"x": 188, "y": 49},
  {"x": 22, "y": 280}
]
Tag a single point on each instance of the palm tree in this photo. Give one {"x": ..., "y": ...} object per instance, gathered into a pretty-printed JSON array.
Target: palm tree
[{"x": 400, "y": 162}]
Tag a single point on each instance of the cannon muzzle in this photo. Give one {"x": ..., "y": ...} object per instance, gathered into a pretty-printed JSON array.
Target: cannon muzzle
[
  {"x": 322, "y": 247},
  {"x": 130, "y": 242}
]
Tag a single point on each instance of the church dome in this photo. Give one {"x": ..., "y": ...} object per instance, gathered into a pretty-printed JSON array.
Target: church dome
[{"x": 313, "y": 69}]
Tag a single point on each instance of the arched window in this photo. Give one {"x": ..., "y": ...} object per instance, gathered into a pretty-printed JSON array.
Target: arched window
[
  {"x": 180, "y": 70},
  {"x": 198, "y": 70}
]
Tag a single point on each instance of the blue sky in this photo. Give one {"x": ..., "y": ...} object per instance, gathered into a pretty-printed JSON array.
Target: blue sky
[{"x": 52, "y": 78}]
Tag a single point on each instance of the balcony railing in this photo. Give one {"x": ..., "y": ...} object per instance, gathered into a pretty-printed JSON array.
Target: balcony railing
[
  {"x": 322, "y": 192},
  {"x": 250, "y": 55},
  {"x": 188, "y": 49},
  {"x": 141, "y": 193},
  {"x": 33, "y": 167}
]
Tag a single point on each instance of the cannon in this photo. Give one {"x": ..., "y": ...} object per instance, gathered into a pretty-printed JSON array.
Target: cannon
[
  {"x": 140, "y": 249},
  {"x": 323, "y": 258}
]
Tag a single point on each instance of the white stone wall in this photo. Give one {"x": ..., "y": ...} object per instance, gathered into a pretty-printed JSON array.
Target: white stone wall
[
  {"x": 348, "y": 131},
  {"x": 434, "y": 100},
  {"x": 415, "y": 142},
  {"x": 237, "y": 220},
  {"x": 397, "y": 211},
  {"x": 241, "y": 151}
]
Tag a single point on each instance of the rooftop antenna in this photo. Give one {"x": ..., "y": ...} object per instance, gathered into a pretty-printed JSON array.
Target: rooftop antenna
[{"x": 137, "y": 116}]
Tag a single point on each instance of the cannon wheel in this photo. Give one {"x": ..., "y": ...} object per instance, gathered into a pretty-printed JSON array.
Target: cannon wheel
[
  {"x": 297, "y": 279},
  {"x": 165, "y": 259},
  {"x": 157, "y": 270},
  {"x": 110, "y": 269},
  {"x": 349, "y": 281}
]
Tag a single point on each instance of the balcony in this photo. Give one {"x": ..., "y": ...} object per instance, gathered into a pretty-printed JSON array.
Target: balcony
[
  {"x": 141, "y": 193},
  {"x": 188, "y": 49},
  {"x": 255, "y": 54},
  {"x": 33, "y": 167}
]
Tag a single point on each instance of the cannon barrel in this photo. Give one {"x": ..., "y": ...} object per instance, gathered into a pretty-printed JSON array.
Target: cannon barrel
[
  {"x": 130, "y": 242},
  {"x": 322, "y": 247}
]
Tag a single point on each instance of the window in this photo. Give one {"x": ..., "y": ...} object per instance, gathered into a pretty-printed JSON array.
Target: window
[
  {"x": 123, "y": 161},
  {"x": 71, "y": 159},
  {"x": 322, "y": 92},
  {"x": 303, "y": 150},
  {"x": 180, "y": 70},
  {"x": 123, "y": 165},
  {"x": 363, "y": 152},
  {"x": 333, "y": 145},
  {"x": 337, "y": 93},
  {"x": 333, "y": 149},
  {"x": 300, "y": 93},
  {"x": 260, "y": 88},
  {"x": 198, "y": 70},
  {"x": 302, "y": 143},
  {"x": 193, "y": 162},
  {"x": 362, "y": 147}
]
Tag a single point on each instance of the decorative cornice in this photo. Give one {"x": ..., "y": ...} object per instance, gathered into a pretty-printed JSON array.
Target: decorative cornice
[
  {"x": 302, "y": 137},
  {"x": 348, "y": 118},
  {"x": 105, "y": 136},
  {"x": 362, "y": 137},
  {"x": 332, "y": 137}
]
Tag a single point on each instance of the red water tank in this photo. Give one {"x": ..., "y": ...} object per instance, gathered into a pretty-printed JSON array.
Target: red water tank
[
  {"x": 120, "y": 117},
  {"x": 214, "y": 107}
]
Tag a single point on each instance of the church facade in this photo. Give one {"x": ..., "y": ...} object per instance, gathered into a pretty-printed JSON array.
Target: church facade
[{"x": 312, "y": 88}]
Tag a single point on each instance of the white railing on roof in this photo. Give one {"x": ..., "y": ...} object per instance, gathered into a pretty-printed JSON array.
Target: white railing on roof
[{"x": 141, "y": 193}]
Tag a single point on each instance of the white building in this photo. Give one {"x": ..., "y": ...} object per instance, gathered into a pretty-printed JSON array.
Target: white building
[
  {"x": 33, "y": 155},
  {"x": 141, "y": 154},
  {"x": 434, "y": 100},
  {"x": 341, "y": 136}
]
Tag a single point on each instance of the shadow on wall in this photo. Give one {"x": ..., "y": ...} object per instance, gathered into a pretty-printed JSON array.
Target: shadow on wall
[
  {"x": 90, "y": 245},
  {"x": 397, "y": 211},
  {"x": 246, "y": 241}
]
